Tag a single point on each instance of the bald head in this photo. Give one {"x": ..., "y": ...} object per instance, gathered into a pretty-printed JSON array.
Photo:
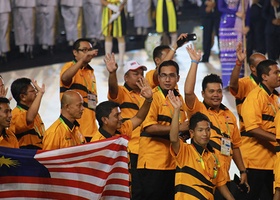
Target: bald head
[
  {"x": 72, "y": 105},
  {"x": 69, "y": 96},
  {"x": 254, "y": 60}
]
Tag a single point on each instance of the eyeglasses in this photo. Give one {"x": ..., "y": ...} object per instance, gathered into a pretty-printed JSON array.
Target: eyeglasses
[
  {"x": 170, "y": 76},
  {"x": 85, "y": 50}
]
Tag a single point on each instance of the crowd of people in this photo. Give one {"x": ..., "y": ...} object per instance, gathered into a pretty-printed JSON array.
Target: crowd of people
[{"x": 151, "y": 111}]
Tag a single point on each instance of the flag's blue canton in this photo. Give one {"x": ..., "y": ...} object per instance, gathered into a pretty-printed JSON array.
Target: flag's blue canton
[{"x": 26, "y": 164}]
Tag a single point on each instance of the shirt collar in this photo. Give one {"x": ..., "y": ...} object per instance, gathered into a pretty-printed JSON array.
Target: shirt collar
[
  {"x": 200, "y": 149},
  {"x": 222, "y": 106},
  {"x": 255, "y": 78},
  {"x": 165, "y": 92},
  {"x": 127, "y": 87},
  {"x": 68, "y": 123},
  {"x": 25, "y": 107},
  {"x": 105, "y": 133},
  {"x": 4, "y": 134},
  {"x": 268, "y": 91}
]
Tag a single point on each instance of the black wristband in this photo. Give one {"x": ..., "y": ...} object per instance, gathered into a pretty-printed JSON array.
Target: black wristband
[{"x": 244, "y": 171}]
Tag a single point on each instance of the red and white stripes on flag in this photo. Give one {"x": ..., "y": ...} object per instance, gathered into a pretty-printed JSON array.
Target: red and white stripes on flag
[{"x": 94, "y": 171}]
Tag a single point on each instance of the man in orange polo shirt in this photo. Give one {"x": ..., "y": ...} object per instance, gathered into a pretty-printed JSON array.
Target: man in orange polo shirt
[{"x": 65, "y": 131}]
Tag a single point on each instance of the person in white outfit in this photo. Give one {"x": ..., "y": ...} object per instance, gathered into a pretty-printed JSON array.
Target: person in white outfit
[
  {"x": 142, "y": 16},
  {"x": 5, "y": 10},
  {"x": 92, "y": 11},
  {"x": 70, "y": 10},
  {"x": 46, "y": 19},
  {"x": 24, "y": 25}
]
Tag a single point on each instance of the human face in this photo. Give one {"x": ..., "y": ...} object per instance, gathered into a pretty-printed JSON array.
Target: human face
[
  {"x": 132, "y": 76},
  {"x": 213, "y": 95},
  {"x": 29, "y": 95},
  {"x": 83, "y": 49},
  {"x": 75, "y": 107},
  {"x": 201, "y": 133},
  {"x": 114, "y": 120},
  {"x": 168, "y": 77},
  {"x": 272, "y": 80},
  {"x": 5, "y": 115}
]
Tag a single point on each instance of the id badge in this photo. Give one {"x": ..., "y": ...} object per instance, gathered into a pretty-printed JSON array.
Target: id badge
[
  {"x": 225, "y": 146},
  {"x": 92, "y": 101}
]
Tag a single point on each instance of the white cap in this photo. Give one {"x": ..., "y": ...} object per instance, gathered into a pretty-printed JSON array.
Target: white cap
[{"x": 133, "y": 65}]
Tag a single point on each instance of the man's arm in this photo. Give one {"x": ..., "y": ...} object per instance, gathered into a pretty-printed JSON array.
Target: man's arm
[
  {"x": 34, "y": 108},
  {"x": 191, "y": 77},
  {"x": 174, "y": 129},
  {"x": 112, "y": 67},
  {"x": 147, "y": 93},
  {"x": 261, "y": 134},
  {"x": 67, "y": 76},
  {"x": 237, "y": 158},
  {"x": 241, "y": 55},
  {"x": 225, "y": 192}
]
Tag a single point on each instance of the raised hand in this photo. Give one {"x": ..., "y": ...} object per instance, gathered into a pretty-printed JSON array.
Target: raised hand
[
  {"x": 38, "y": 88},
  {"x": 146, "y": 90},
  {"x": 175, "y": 101},
  {"x": 240, "y": 53},
  {"x": 194, "y": 55},
  {"x": 110, "y": 62},
  {"x": 90, "y": 55}
]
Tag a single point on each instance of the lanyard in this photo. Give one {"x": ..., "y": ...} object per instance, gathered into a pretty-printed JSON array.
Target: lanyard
[{"x": 201, "y": 161}]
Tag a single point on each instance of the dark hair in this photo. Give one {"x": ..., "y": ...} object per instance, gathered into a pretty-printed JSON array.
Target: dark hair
[
  {"x": 4, "y": 100},
  {"x": 197, "y": 117},
  {"x": 19, "y": 86},
  {"x": 264, "y": 67},
  {"x": 76, "y": 44},
  {"x": 169, "y": 63},
  {"x": 104, "y": 109},
  {"x": 158, "y": 51},
  {"x": 211, "y": 78}
]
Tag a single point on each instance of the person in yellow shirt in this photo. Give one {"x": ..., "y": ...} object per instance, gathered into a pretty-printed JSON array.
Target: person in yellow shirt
[
  {"x": 7, "y": 138},
  {"x": 258, "y": 112},
  {"x": 225, "y": 136},
  {"x": 78, "y": 75},
  {"x": 198, "y": 169},
  {"x": 65, "y": 131},
  {"x": 26, "y": 122}
]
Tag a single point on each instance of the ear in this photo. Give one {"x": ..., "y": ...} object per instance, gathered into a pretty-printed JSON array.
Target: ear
[
  {"x": 22, "y": 97},
  {"x": 202, "y": 93},
  {"x": 191, "y": 133},
  {"x": 104, "y": 120},
  {"x": 157, "y": 61},
  {"x": 75, "y": 52},
  {"x": 264, "y": 77},
  {"x": 178, "y": 78}
]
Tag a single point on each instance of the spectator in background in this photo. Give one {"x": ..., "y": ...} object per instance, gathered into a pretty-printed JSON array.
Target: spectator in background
[
  {"x": 46, "y": 14},
  {"x": 7, "y": 138},
  {"x": 92, "y": 11},
  {"x": 65, "y": 131},
  {"x": 26, "y": 122},
  {"x": 24, "y": 25},
  {"x": 210, "y": 22},
  {"x": 271, "y": 12},
  {"x": 5, "y": 11},
  {"x": 114, "y": 26},
  {"x": 70, "y": 11},
  {"x": 78, "y": 75},
  {"x": 166, "y": 21},
  {"x": 231, "y": 31},
  {"x": 142, "y": 16},
  {"x": 256, "y": 35}
]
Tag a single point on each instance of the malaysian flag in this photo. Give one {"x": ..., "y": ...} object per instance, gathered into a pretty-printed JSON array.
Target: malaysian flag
[{"x": 95, "y": 171}]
